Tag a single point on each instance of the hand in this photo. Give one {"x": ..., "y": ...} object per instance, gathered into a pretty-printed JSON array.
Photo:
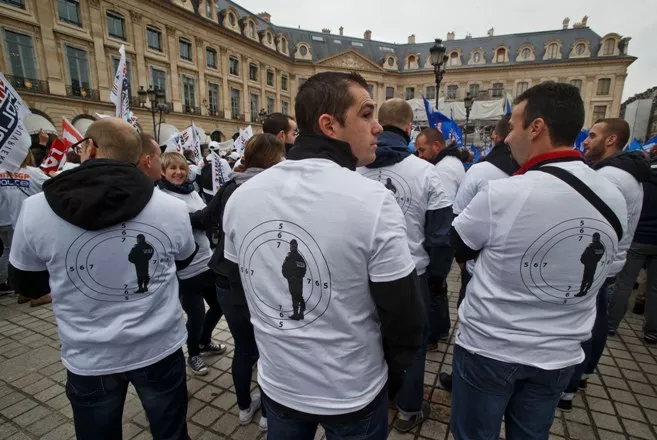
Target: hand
[{"x": 43, "y": 137}]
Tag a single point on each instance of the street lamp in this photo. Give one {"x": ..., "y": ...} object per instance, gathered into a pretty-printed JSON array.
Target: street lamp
[
  {"x": 156, "y": 98},
  {"x": 262, "y": 115},
  {"x": 467, "y": 101},
  {"x": 439, "y": 62}
]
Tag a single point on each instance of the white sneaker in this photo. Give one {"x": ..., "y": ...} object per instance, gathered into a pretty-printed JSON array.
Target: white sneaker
[
  {"x": 263, "y": 424},
  {"x": 246, "y": 415}
]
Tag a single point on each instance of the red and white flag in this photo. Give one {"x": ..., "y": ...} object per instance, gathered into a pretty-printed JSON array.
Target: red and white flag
[
  {"x": 56, "y": 153},
  {"x": 69, "y": 133}
]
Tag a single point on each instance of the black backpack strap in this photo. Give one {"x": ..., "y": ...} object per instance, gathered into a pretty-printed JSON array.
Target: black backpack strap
[{"x": 588, "y": 194}]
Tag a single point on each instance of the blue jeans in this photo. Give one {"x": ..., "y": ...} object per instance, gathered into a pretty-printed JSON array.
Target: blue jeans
[
  {"x": 594, "y": 347},
  {"x": 372, "y": 426},
  {"x": 246, "y": 351},
  {"x": 411, "y": 394},
  {"x": 97, "y": 401},
  {"x": 485, "y": 389}
]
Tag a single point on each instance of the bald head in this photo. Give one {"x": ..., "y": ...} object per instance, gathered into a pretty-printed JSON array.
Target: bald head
[
  {"x": 112, "y": 138},
  {"x": 396, "y": 112}
]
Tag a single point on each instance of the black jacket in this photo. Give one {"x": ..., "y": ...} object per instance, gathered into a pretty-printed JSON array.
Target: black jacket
[
  {"x": 501, "y": 157},
  {"x": 633, "y": 162},
  {"x": 646, "y": 230}
]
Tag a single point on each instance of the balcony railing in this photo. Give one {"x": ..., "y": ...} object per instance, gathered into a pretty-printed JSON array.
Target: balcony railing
[
  {"x": 28, "y": 84},
  {"x": 82, "y": 92},
  {"x": 213, "y": 111},
  {"x": 237, "y": 116},
  {"x": 190, "y": 109}
]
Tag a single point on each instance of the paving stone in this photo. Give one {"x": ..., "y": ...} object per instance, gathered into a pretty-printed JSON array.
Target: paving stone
[
  {"x": 18, "y": 408},
  {"x": 208, "y": 393},
  {"x": 434, "y": 430},
  {"x": 44, "y": 425},
  {"x": 10, "y": 398},
  {"x": 226, "y": 424},
  {"x": 647, "y": 402},
  {"x": 596, "y": 391},
  {"x": 609, "y": 435},
  {"x": 32, "y": 416},
  {"x": 206, "y": 416},
  {"x": 64, "y": 431},
  {"x": 49, "y": 393},
  {"x": 225, "y": 401},
  {"x": 578, "y": 431},
  {"x": 578, "y": 415},
  {"x": 632, "y": 412},
  {"x": 607, "y": 421},
  {"x": 637, "y": 376},
  {"x": 26, "y": 363},
  {"x": 642, "y": 388},
  {"x": 622, "y": 396},
  {"x": 248, "y": 432},
  {"x": 639, "y": 430},
  {"x": 600, "y": 405}
]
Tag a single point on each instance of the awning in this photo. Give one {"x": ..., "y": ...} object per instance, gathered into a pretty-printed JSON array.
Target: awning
[
  {"x": 489, "y": 110},
  {"x": 34, "y": 122},
  {"x": 82, "y": 124},
  {"x": 165, "y": 132}
]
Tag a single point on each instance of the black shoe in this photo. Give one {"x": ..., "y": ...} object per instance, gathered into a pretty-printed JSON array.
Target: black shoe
[
  {"x": 408, "y": 425},
  {"x": 583, "y": 383},
  {"x": 294, "y": 316},
  {"x": 611, "y": 332},
  {"x": 140, "y": 290},
  {"x": 579, "y": 295},
  {"x": 565, "y": 405},
  {"x": 5, "y": 289},
  {"x": 445, "y": 380},
  {"x": 212, "y": 349},
  {"x": 650, "y": 339},
  {"x": 639, "y": 308}
]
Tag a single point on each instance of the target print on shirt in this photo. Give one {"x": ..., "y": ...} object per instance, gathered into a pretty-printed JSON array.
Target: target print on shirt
[
  {"x": 123, "y": 263},
  {"x": 285, "y": 275},
  {"x": 564, "y": 265},
  {"x": 395, "y": 184}
]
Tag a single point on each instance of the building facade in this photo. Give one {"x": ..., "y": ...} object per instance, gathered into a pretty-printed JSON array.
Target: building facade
[{"x": 221, "y": 65}]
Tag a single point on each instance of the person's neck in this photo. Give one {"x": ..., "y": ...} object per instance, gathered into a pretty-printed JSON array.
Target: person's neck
[{"x": 607, "y": 154}]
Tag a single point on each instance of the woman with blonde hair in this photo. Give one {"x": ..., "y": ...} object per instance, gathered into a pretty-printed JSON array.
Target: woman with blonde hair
[{"x": 196, "y": 280}]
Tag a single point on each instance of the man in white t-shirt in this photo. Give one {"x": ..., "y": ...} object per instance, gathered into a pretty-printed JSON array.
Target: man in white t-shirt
[
  {"x": 430, "y": 145},
  {"x": 416, "y": 186},
  {"x": 74, "y": 241},
  {"x": 333, "y": 356},
  {"x": 522, "y": 321}
]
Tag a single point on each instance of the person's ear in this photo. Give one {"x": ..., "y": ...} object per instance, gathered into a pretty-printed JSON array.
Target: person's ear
[
  {"x": 327, "y": 125},
  {"x": 281, "y": 135},
  {"x": 409, "y": 128},
  {"x": 92, "y": 151},
  {"x": 537, "y": 127}
]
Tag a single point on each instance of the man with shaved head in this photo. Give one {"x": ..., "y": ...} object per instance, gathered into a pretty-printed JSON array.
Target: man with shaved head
[
  {"x": 74, "y": 241},
  {"x": 416, "y": 186},
  {"x": 149, "y": 159}
]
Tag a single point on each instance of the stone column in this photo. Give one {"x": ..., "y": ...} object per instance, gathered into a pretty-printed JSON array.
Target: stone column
[
  {"x": 97, "y": 59},
  {"x": 52, "y": 69},
  {"x": 175, "y": 87},
  {"x": 139, "y": 69},
  {"x": 201, "y": 63}
]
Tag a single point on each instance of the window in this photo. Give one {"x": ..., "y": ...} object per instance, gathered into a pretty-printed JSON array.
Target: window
[
  {"x": 431, "y": 92},
  {"x": 452, "y": 92},
  {"x": 254, "y": 106},
  {"x": 498, "y": 90},
  {"x": 115, "y": 26},
  {"x": 337, "y": 41},
  {"x": 234, "y": 102},
  {"x": 284, "y": 45},
  {"x": 552, "y": 51},
  {"x": 251, "y": 30},
  {"x": 391, "y": 61},
  {"x": 411, "y": 61},
  {"x": 234, "y": 66},
  {"x": 185, "y": 50},
  {"x": 18, "y": 3},
  {"x": 599, "y": 112},
  {"x": 474, "y": 90},
  {"x": 128, "y": 72},
  {"x": 476, "y": 57},
  {"x": 21, "y": 55},
  {"x": 453, "y": 58},
  {"x": 390, "y": 92},
  {"x": 154, "y": 39},
  {"x": 283, "y": 82},
  {"x": 501, "y": 56},
  {"x": 521, "y": 87},
  {"x": 317, "y": 38},
  {"x": 231, "y": 19},
  {"x": 189, "y": 95},
  {"x": 270, "y": 105},
  {"x": 270, "y": 78},
  {"x": 410, "y": 93},
  {"x": 213, "y": 99},
  {"x": 525, "y": 53},
  {"x": 211, "y": 57},
  {"x": 385, "y": 49},
  {"x": 78, "y": 69},
  {"x": 303, "y": 51},
  {"x": 208, "y": 8},
  {"x": 269, "y": 38},
  {"x": 68, "y": 11},
  {"x": 577, "y": 83},
  {"x": 159, "y": 80},
  {"x": 285, "y": 107},
  {"x": 580, "y": 49},
  {"x": 253, "y": 72},
  {"x": 603, "y": 86},
  {"x": 354, "y": 43},
  {"x": 608, "y": 48}
]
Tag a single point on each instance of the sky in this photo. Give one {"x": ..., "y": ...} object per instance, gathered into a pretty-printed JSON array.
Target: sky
[{"x": 394, "y": 21}]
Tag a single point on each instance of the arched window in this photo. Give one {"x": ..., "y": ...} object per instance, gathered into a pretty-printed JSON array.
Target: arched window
[
  {"x": 391, "y": 61},
  {"x": 476, "y": 57},
  {"x": 303, "y": 51},
  {"x": 251, "y": 30},
  {"x": 608, "y": 48},
  {"x": 231, "y": 19},
  {"x": 580, "y": 49},
  {"x": 411, "y": 61},
  {"x": 525, "y": 53},
  {"x": 552, "y": 51},
  {"x": 500, "y": 56},
  {"x": 453, "y": 58}
]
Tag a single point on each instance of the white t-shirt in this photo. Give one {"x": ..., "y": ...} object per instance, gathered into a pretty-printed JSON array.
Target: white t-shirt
[
  {"x": 16, "y": 187},
  {"x": 349, "y": 230},
  {"x": 104, "y": 325},
  {"x": 417, "y": 188},
  {"x": 632, "y": 192},
  {"x": 536, "y": 236},
  {"x": 451, "y": 172},
  {"x": 200, "y": 262}
]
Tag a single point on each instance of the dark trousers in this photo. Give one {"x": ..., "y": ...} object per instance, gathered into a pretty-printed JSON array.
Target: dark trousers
[
  {"x": 200, "y": 324},
  {"x": 245, "y": 355},
  {"x": 439, "y": 321},
  {"x": 465, "y": 279},
  {"x": 97, "y": 401}
]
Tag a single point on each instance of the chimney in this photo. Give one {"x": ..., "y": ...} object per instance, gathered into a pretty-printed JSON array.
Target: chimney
[
  {"x": 265, "y": 16},
  {"x": 585, "y": 20},
  {"x": 326, "y": 31},
  {"x": 368, "y": 35},
  {"x": 450, "y": 36},
  {"x": 491, "y": 32},
  {"x": 411, "y": 39},
  {"x": 566, "y": 22},
  {"x": 341, "y": 31}
]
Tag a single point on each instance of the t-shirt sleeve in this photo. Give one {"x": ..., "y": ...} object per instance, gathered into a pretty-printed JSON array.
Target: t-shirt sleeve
[
  {"x": 390, "y": 257},
  {"x": 437, "y": 196},
  {"x": 230, "y": 249},
  {"x": 466, "y": 191},
  {"x": 474, "y": 223},
  {"x": 23, "y": 256}
]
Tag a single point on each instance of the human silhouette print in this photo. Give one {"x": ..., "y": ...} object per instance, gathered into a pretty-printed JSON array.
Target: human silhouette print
[
  {"x": 294, "y": 269},
  {"x": 140, "y": 255},
  {"x": 390, "y": 186},
  {"x": 590, "y": 259}
]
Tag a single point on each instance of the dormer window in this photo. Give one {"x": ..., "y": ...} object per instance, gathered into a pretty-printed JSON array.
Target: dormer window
[{"x": 500, "y": 55}]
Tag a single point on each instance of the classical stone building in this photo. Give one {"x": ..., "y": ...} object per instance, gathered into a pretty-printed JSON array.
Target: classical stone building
[{"x": 221, "y": 65}]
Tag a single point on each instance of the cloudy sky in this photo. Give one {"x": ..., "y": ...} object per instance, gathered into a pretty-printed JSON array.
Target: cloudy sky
[{"x": 428, "y": 19}]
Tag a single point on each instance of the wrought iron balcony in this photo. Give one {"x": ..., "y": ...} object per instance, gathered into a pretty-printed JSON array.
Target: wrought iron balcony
[
  {"x": 213, "y": 111},
  {"x": 79, "y": 91},
  {"x": 237, "y": 116},
  {"x": 190, "y": 109},
  {"x": 28, "y": 84}
]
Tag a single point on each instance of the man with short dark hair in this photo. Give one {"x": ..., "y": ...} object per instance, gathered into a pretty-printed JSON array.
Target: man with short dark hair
[
  {"x": 362, "y": 323},
  {"x": 117, "y": 325},
  {"x": 283, "y": 127},
  {"x": 149, "y": 159},
  {"x": 430, "y": 145},
  {"x": 416, "y": 186},
  {"x": 520, "y": 324}
]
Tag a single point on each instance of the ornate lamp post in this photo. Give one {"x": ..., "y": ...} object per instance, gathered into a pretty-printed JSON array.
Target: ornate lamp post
[
  {"x": 262, "y": 115},
  {"x": 467, "y": 101},
  {"x": 156, "y": 98},
  {"x": 439, "y": 62}
]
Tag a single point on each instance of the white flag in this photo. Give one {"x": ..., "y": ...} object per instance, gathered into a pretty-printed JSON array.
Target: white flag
[
  {"x": 119, "y": 95},
  {"x": 101, "y": 116},
  {"x": 175, "y": 143},
  {"x": 240, "y": 142},
  {"x": 14, "y": 140},
  {"x": 192, "y": 136}
]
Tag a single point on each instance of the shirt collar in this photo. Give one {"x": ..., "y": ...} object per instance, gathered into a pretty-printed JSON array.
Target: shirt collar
[{"x": 551, "y": 157}]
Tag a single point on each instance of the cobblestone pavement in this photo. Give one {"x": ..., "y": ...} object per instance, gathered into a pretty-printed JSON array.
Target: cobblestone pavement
[{"x": 620, "y": 402}]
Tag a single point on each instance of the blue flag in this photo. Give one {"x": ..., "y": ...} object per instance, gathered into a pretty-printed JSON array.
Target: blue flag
[
  {"x": 634, "y": 146},
  {"x": 507, "y": 110},
  {"x": 436, "y": 117},
  {"x": 580, "y": 139},
  {"x": 650, "y": 143}
]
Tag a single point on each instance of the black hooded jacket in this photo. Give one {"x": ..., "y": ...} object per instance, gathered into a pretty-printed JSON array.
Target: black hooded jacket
[
  {"x": 633, "y": 162},
  {"x": 501, "y": 157},
  {"x": 646, "y": 230}
]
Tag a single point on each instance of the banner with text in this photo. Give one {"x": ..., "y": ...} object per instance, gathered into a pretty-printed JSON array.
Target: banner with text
[{"x": 14, "y": 140}]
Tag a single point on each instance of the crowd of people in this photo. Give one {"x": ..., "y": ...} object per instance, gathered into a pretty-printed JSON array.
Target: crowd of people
[{"x": 327, "y": 249}]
